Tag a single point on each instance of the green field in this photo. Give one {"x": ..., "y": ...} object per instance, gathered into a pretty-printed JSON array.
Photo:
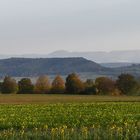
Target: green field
[{"x": 61, "y": 117}]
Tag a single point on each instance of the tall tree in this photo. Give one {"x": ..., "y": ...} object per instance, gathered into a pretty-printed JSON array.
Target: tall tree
[
  {"x": 58, "y": 85},
  {"x": 25, "y": 86},
  {"x": 90, "y": 87},
  {"x": 42, "y": 84},
  {"x": 74, "y": 84},
  {"x": 126, "y": 83},
  {"x": 105, "y": 85},
  {"x": 9, "y": 85}
]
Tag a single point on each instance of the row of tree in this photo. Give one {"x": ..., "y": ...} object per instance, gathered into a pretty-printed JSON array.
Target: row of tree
[{"x": 125, "y": 84}]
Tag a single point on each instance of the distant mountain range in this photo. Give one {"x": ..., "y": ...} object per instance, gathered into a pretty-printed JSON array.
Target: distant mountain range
[
  {"x": 122, "y": 57},
  {"x": 103, "y": 57},
  {"x": 24, "y": 67}
]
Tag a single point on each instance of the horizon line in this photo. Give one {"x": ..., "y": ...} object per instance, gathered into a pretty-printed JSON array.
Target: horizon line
[{"x": 129, "y": 50}]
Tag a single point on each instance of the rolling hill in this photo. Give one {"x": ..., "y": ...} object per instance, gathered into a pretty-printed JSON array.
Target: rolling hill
[
  {"x": 39, "y": 66},
  {"x": 24, "y": 67}
]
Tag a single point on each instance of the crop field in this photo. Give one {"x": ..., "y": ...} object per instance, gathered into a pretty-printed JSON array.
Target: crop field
[{"x": 71, "y": 121}]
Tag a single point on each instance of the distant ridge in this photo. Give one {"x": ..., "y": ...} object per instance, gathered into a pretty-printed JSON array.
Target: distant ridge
[
  {"x": 128, "y": 56},
  {"x": 40, "y": 66},
  {"x": 25, "y": 67}
]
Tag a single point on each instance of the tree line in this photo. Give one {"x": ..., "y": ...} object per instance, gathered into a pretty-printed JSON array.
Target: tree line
[{"x": 125, "y": 84}]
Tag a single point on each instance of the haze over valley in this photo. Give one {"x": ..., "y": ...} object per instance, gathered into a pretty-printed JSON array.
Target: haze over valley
[{"x": 126, "y": 56}]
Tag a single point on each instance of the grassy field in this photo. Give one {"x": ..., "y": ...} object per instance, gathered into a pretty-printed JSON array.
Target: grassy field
[
  {"x": 43, "y": 98},
  {"x": 69, "y": 117}
]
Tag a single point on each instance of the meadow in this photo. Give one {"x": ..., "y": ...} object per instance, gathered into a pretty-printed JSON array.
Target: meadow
[
  {"x": 61, "y": 117},
  {"x": 60, "y": 98}
]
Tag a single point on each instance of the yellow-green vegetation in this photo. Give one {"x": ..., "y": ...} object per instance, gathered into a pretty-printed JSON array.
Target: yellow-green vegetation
[{"x": 71, "y": 121}]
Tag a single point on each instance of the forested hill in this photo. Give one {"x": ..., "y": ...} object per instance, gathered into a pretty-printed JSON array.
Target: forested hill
[{"x": 39, "y": 66}]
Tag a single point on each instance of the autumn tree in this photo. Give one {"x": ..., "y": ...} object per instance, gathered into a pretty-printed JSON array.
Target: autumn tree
[
  {"x": 42, "y": 85},
  {"x": 105, "y": 85},
  {"x": 58, "y": 85},
  {"x": 25, "y": 86},
  {"x": 74, "y": 84},
  {"x": 126, "y": 83},
  {"x": 9, "y": 85}
]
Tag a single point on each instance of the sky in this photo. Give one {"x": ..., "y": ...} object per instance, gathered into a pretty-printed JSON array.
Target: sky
[{"x": 43, "y": 26}]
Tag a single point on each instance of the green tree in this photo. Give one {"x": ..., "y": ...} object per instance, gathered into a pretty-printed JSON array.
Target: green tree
[
  {"x": 58, "y": 85},
  {"x": 74, "y": 84},
  {"x": 90, "y": 87},
  {"x": 25, "y": 86},
  {"x": 42, "y": 85},
  {"x": 126, "y": 83},
  {"x": 9, "y": 85},
  {"x": 105, "y": 85}
]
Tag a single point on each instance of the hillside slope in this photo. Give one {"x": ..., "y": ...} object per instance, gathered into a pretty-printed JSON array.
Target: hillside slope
[{"x": 39, "y": 66}]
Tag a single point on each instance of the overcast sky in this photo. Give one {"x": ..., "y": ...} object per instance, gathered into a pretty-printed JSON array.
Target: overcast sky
[{"x": 43, "y": 26}]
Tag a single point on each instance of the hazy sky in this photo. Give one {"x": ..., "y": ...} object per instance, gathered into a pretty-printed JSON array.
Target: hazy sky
[{"x": 43, "y": 26}]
